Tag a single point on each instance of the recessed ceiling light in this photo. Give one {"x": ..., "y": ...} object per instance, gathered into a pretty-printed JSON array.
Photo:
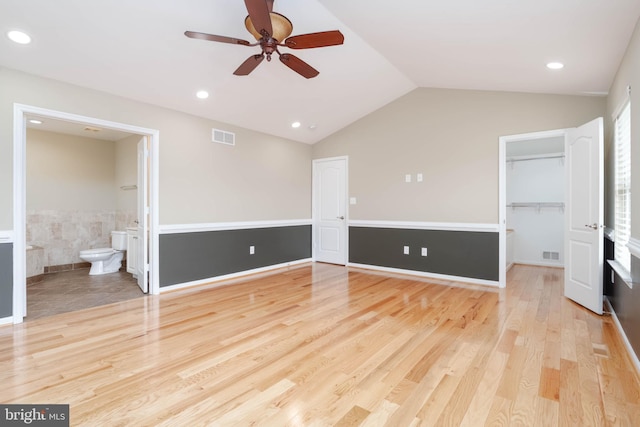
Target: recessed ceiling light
[
  {"x": 202, "y": 94},
  {"x": 555, "y": 65},
  {"x": 19, "y": 37},
  {"x": 295, "y": 125},
  {"x": 313, "y": 126},
  {"x": 35, "y": 122}
]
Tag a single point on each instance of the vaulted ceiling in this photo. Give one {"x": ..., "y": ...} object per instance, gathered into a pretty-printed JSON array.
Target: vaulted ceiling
[{"x": 137, "y": 49}]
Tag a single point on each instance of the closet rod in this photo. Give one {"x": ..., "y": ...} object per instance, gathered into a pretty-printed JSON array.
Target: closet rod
[
  {"x": 536, "y": 205},
  {"x": 523, "y": 159}
]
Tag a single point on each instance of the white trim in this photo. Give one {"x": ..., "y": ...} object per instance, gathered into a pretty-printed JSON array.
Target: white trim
[
  {"x": 502, "y": 191},
  {"x": 626, "y": 99},
  {"x": 214, "y": 280},
  {"x": 19, "y": 214},
  {"x": 609, "y": 233},
  {"x": 632, "y": 354},
  {"x": 419, "y": 225},
  {"x": 218, "y": 226},
  {"x": 539, "y": 263},
  {"x": 427, "y": 274},
  {"x": 634, "y": 247},
  {"x": 6, "y": 320},
  {"x": 6, "y": 236},
  {"x": 19, "y": 194},
  {"x": 621, "y": 272}
]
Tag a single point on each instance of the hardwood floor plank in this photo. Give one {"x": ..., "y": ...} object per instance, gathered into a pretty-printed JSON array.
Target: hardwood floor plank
[{"x": 323, "y": 345}]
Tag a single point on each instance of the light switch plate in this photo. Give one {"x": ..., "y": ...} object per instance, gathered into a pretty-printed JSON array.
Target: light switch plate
[
  {"x": 407, "y": 178},
  {"x": 352, "y": 201},
  {"x": 406, "y": 250}
]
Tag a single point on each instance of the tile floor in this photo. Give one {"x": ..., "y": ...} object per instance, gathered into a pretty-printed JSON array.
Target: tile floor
[{"x": 75, "y": 290}]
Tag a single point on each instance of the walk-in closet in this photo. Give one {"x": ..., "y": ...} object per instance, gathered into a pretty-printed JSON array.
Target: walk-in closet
[{"x": 535, "y": 188}]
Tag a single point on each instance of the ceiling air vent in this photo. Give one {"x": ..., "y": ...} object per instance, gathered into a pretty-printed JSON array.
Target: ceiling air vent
[{"x": 224, "y": 137}]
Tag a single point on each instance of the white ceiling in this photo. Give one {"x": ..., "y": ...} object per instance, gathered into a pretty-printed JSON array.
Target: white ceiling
[{"x": 137, "y": 49}]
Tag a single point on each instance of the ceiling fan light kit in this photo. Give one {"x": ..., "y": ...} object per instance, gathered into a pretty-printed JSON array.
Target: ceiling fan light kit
[
  {"x": 280, "y": 24},
  {"x": 272, "y": 30}
]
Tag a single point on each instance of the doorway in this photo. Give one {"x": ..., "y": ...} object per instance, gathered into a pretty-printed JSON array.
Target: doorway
[
  {"x": 583, "y": 210},
  {"x": 330, "y": 216},
  {"x": 149, "y": 172},
  {"x": 535, "y": 201},
  {"x": 517, "y": 147}
]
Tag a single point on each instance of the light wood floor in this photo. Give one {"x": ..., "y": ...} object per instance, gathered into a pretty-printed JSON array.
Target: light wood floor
[{"x": 321, "y": 345}]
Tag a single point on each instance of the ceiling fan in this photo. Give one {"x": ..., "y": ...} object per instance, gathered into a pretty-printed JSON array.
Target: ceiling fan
[{"x": 271, "y": 31}]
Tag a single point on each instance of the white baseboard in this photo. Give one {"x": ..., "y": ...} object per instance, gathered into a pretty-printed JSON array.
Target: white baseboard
[
  {"x": 6, "y": 320},
  {"x": 215, "y": 280},
  {"x": 539, "y": 263},
  {"x": 429, "y": 275},
  {"x": 632, "y": 354}
]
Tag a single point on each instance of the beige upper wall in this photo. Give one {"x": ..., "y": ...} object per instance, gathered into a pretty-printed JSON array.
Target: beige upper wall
[
  {"x": 69, "y": 173},
  {"x": 451, "y": 137},
  {"x": 261, "y": 178},
  {"x": 628, "y": 75}
]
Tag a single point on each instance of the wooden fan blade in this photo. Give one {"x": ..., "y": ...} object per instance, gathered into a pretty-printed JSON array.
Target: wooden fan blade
[
  {"x": 259, "y": 14},
  {"x": 298, "y": 65},
  {"x": 311, "y": 40},
  {"x": 270, "y": 5},
  {"x": 214, "y": 38},
  {"x": 249, "y": 65}
]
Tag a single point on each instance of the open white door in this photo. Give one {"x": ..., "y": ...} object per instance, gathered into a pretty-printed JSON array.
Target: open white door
[
  {"x": 584, "y": 215},
  {"x": 143, "y": 216},
  {"x": 329, "y": 210}
]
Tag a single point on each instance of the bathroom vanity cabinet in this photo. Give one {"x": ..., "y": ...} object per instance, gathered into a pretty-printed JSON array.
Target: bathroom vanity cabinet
[{"x": 132, "y": 251}]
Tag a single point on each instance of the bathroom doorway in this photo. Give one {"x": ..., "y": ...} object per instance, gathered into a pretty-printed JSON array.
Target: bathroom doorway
[{"x": 128, "y": 136}]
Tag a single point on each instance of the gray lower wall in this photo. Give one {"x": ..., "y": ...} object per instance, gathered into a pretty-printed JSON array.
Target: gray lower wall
[
  {"x": 188, "y": 257},
  {"x": 625, "y": 303},
  {"x": 6, "y": 280},
  {"x": 456, "y": 253}
]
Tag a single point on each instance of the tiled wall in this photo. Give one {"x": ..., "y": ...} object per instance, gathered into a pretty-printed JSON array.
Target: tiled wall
[
  {"x": 125, "y": 219},
  {"x": 63, "y": 234}
]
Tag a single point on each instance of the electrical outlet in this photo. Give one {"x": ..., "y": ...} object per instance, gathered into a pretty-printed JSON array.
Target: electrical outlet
[
  {"x": 252, "y": 250},
  {"x": 407, "y": 178},
  {"x": 406, "y": 250},
  {"x": 423, "y": 252},
  {"x": 419, "y": 177}
]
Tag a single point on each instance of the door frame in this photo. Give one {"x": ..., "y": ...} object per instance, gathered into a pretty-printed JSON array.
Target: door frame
[
  {"x": 314, "y": 203},
  {"x": 20, "y": 112},
  {"x": 502, "y": 197}
]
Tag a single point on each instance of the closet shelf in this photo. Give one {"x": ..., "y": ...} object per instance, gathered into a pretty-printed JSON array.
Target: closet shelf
[{"x": 537, "y": 205}]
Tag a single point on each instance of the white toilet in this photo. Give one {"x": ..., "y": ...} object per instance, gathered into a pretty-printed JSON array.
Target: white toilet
[{"x": 107, "y": 260}]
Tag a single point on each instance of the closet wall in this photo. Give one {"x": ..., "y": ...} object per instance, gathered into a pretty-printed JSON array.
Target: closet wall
[{"x": 535, "y": 202}]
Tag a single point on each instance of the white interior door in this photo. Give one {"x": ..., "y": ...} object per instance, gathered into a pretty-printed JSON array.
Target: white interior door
[
  {"x": 584, "y": 215},
  {"x": 330, "y": 210},
  {"x": 143, "y": 216}
]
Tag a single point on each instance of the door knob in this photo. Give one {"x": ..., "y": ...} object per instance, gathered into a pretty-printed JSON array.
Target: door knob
[
  {"x": 593, "y": 226},
  {"x": 340, "y": 217}
]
